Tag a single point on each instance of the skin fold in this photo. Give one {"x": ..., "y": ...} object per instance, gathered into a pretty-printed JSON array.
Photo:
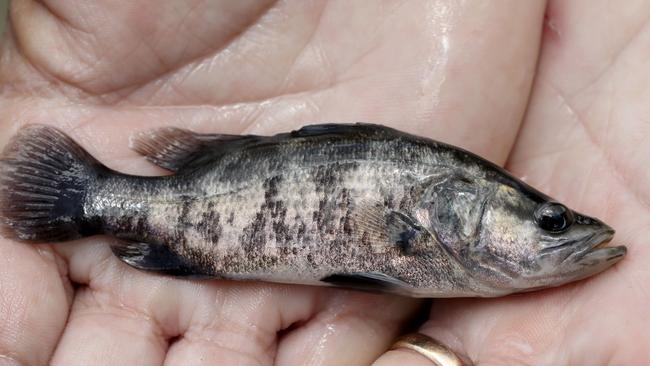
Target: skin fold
[{"x": 556, "y": 92}]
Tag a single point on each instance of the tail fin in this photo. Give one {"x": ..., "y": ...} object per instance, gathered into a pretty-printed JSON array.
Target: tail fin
[{"x": 43, "y": 179}]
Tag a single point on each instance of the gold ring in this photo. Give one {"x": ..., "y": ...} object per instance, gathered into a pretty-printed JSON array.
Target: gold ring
[{"x": 428, "y": 347}]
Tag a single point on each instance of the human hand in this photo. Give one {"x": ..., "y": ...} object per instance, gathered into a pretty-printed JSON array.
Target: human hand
[{"x": 457, "y": 73}]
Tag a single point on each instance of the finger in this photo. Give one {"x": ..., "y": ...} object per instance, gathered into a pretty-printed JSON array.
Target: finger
[
  {"x": 420, "y": 349},
  {"x": 402, "y": 357},
  {"x": 104, "y": 326},
  {"x": 351, "y": 328},
  {"x": 101, "y": 331},
  {"x": 443, "y": 338},
  {"x": 34, "y": 301},
  {"x": 238, "y": 323},
  {"x": 474, "y": 342}
]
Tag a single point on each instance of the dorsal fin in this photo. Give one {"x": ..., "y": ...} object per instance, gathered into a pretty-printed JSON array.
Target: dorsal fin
[
  {"x": 344, "y": 129},
  {"x": 174, "y": 148},
  {"x": 177, "y": 149}
]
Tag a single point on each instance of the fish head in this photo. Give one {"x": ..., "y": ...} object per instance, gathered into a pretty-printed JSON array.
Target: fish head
[{"x": 511, "y": 238}]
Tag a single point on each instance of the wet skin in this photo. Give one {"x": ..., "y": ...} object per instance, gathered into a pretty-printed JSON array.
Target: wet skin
[{"x": 575, "y": 132}]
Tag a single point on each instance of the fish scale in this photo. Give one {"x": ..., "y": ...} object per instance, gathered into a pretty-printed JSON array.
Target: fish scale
[{"x": 359, "y": 206}]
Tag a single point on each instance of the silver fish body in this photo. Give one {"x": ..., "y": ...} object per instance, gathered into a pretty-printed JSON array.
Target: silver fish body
[{"x": 361, "y": 206}]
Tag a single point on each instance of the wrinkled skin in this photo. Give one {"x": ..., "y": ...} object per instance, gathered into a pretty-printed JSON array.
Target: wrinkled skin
[{"x": 576, "y": 127}]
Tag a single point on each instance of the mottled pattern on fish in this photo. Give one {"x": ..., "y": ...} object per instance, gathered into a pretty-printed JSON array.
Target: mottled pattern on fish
[
  {"x": 283, "y": 211},
  {"x": 354, "y": 205}
]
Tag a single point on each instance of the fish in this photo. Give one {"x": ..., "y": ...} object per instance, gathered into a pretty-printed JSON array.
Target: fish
[{"x": 359, "y": 206}]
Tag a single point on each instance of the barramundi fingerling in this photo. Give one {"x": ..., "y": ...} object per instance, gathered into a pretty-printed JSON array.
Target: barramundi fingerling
[{"x": 360, "y": 206}]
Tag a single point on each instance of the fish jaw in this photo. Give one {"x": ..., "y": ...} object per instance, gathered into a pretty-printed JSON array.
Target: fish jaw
[
  {"x": 588, "y": 257},
  {"x": 594, "y": 251},
  {"x": 598, "y": 256}
]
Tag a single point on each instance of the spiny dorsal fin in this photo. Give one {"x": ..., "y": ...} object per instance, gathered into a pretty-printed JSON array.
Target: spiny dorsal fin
[
  {"x": 344, "y": 129},
  {"x": 174, "y": 148}
]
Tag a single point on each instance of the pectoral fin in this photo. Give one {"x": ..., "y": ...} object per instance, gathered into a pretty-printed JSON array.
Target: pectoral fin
[
  {"x": 403, "y": 230},
  {"x": 389, "y": 228}
]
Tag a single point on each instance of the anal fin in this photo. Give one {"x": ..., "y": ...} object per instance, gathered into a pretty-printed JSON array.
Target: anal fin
[{"x": 156, "y": 258}]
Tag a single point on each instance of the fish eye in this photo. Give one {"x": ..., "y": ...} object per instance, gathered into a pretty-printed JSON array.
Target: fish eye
[{"x": 553, "y": 217}]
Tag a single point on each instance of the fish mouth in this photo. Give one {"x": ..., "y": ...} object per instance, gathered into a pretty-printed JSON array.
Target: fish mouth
[
  {"x": 580, "y": 258},
  {"x": 576, "y": 259},
  {"x": 595, "y": 249},
  {"x": 589, "y": 249}
]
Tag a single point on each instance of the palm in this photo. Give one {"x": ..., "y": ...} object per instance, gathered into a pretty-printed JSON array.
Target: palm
[{"x": 435, "y": 69}]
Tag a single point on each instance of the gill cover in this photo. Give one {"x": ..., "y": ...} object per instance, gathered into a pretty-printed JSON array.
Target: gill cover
[{"x": 455, "y": 206}]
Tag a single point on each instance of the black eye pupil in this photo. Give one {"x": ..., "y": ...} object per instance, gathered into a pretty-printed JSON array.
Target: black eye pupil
[{"x": 553, "y": 217}]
